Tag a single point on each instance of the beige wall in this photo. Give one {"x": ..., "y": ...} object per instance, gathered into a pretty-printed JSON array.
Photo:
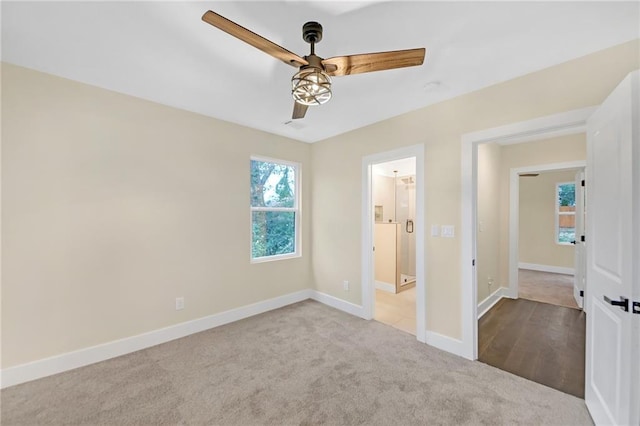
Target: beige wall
[
  {"x": 553, "y": 150},
  {"x": 537, "y": 234},
  {"x": 337, "y": 164},
  {"x": 488, "y": 236},
  {"x": 114, "y": 206}
]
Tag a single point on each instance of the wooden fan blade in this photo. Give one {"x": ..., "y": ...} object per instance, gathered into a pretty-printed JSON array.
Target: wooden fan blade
[
  {"x": 368, "y": 62},
  {"x": 299, "y": 110},
  {"x": 253, "y": 39}
]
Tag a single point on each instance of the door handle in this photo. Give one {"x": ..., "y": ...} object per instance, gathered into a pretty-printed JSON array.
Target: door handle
[
  {"x": 573, "y": 242},
  {"x": 409, "y": 226},
  {"x": 623, "y": 303}
]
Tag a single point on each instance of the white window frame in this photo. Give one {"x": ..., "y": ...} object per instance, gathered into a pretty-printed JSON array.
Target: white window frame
[
  {"x": 296, "y": 209},
  {"x": 558, "y": 213}
]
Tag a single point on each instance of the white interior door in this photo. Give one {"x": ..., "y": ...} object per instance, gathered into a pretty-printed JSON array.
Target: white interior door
[
  {"x": 579, "y": 256},
  {"x": 612, "y": 186}
]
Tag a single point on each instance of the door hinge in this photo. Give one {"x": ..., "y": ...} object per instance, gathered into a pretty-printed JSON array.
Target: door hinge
[
  {"x": 473, "y": 262},
  {"x": 582, "y": 238},
  {"x": 581, "y": 293},
  {"x": 582, "y": 182},
  {"x": 636, "y": 308}
]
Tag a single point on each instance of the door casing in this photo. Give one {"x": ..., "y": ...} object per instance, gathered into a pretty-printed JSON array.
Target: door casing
[
  {"x": 566, "y": 123},
  {"x": 514, "y": 213},
  {"x": 368, "y": 287}
]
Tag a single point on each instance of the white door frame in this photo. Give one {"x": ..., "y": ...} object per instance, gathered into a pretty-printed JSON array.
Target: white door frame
[
  {"x": 580, "y": 252},
  {"x": 368, "y": 284},
  {"x": 565, "y": 123},
  {"x": 514, "y": 213}
]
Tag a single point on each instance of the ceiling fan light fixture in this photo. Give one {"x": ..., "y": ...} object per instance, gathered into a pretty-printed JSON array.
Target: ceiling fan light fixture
[{"x": 311, "y": 86}]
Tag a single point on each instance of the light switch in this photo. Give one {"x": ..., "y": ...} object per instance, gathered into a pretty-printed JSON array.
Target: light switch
[
  {"x": 447, "y": 231},
  {"x": 435, "y": 230}
]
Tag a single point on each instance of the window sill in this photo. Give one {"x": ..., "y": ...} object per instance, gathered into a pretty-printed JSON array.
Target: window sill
[{"x": 276, "y": 257}]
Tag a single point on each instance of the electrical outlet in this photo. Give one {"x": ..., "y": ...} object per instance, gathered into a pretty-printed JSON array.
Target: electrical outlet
[
  {"x": 345, "y": 285},
  {"x": 179, "y": 303}
]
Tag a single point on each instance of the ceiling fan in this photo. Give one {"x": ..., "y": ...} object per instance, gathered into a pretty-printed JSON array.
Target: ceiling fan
[{"x": 311, "y": 85}]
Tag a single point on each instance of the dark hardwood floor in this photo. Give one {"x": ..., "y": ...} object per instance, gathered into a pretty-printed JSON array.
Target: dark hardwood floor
[{"x": 538, "y": 341}]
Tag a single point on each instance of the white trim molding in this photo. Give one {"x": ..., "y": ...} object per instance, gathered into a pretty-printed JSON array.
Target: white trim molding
[
  {"x": 491, "y": 300},
  {"x": 446, "y": 343},
  {"x": 547, "y": 268},
  {"x": 334, "y": 302},
  {"x": 71, "y": 360},
  {"x": 68, "y": 361},
  {"x": 565, "y": 123}
]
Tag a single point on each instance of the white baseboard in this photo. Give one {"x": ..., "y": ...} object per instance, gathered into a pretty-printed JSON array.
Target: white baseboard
[
  {"x": 486, "y": 304},
  {"x": 547, "y": 268},
  {"x": 432, "y": 338},
  {"x": 71, "y": 360},
  {"x": 446, "y": 343},
  {"x": 334, "y": 302},
  {"x": 389, "y": 288},
  {"x": 68, "y": 361}
]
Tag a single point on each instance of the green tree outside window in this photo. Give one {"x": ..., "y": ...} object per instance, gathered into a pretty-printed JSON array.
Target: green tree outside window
[{"x": 274, "y": 208}]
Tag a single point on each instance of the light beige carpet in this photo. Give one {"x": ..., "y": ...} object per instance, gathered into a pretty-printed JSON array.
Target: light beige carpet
[
  {"x": 302, "y": 364},
  {"x": 547, "y": 287}
]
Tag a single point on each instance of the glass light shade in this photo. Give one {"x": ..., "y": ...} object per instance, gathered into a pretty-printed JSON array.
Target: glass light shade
[{"x": 311, "y": 86}]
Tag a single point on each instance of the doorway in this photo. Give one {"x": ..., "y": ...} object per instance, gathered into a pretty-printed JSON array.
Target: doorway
[
  {"x": 404, "y": 284},
  {"x": 394, "y": 256},
  {"x": 550, "y": 213},
  {"x": 524, "y": 230},
  {"x": 544, "y": 244},
  {"x": 565, "y": 123}
]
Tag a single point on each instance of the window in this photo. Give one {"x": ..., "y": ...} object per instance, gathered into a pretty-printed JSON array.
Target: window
[
  {"x": 565, "y": 212},
  {"x": 275, "y": 209}
]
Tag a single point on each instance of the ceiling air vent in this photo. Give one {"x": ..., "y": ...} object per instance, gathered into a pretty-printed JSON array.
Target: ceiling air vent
[{"x": 294, "y": 124}]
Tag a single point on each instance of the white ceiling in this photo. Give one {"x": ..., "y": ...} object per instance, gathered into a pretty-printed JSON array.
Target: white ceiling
[{"x": 164, "y": 52}]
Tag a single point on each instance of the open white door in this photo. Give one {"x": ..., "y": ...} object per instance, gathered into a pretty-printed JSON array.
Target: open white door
[
  {"x": 579, "y": 252},
  {"x": 613, "y": 256}
]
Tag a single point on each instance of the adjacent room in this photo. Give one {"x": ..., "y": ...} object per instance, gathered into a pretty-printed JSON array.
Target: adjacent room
[
  {"x": 530, "y": 319},
  {"x": 195, "y": 196},
  {"x": 547, "y": 236}
]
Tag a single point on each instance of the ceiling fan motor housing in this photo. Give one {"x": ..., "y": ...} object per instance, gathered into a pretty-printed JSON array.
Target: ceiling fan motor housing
[
  {"x": 312, "y": 32},
  {"x": 314, "y": 62}
]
